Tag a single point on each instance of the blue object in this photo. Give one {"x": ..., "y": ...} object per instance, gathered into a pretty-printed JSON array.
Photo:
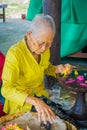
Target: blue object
[{"x": 1, "y": 97}]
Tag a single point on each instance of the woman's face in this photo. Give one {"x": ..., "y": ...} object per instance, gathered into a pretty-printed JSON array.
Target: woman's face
[{"x": 40, "y": 43}]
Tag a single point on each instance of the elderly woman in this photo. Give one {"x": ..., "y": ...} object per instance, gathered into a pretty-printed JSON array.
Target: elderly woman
[{"x": 25, "y": 66}]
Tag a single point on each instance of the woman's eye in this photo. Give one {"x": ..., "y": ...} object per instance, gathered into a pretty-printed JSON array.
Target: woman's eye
[
  {"x": 42, "y": 44},
  {"x": 48, "y": 45}
]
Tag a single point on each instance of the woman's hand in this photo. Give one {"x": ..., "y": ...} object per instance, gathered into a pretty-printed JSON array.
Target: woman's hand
[
  {"x": 59, "y": 68},
  {"x": 64, "y": 69},
  {"x": 44, "y": 111}
]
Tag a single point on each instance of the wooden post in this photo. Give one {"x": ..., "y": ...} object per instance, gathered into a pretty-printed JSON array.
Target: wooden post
[{"x": 53, "y": 8}]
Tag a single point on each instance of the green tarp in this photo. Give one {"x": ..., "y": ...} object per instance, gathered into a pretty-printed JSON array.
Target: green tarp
[
  {"x": 35, "y": 7},
  {"x": 73, "y": 23}
]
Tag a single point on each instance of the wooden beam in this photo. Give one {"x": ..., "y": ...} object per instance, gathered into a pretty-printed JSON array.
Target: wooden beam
[
  {"x": 53, "y": 8},
  {"x": 78, "y": 55}
]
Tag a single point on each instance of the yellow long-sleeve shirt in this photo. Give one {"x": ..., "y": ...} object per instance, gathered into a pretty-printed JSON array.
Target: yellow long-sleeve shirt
[{"x": 23, "y": 76}]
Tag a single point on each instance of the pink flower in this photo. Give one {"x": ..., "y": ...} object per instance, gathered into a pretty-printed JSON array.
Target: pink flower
[
  {"x": 3, "y": 128},
  {"x": 80, "y": 78},
  {"x": 83, "y": 84},
  {"x": 70, "y": 80}
]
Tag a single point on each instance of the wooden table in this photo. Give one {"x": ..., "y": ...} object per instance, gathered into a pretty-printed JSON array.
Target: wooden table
[{"x": 2, "y": 15}]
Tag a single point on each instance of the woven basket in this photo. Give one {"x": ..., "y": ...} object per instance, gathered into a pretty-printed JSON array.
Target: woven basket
[{"x": 28, "y": 119}]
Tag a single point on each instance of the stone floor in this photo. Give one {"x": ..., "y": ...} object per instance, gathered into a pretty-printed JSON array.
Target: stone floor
[{"x": 11, "y": 32}]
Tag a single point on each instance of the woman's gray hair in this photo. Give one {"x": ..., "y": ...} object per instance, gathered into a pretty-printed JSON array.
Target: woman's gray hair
[{"x": 40, "y": 21}]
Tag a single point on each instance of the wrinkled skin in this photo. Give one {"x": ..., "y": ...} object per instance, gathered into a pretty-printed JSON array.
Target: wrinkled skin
[{"x": 44, "y": 111}]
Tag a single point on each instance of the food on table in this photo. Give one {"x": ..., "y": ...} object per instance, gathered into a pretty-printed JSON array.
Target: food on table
[{"x": 11, "y": 127}]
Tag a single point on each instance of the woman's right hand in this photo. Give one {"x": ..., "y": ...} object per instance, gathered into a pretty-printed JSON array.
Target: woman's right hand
[{"x": 44, "y": 111}]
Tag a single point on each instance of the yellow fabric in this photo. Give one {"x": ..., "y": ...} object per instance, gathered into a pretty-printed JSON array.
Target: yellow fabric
[{"x": 23, "y": 76}]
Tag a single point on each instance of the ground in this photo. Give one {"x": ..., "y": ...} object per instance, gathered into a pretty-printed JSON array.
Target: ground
[
  {"x": 15, "y": 27},
  {"x": 16, "y": 8}
]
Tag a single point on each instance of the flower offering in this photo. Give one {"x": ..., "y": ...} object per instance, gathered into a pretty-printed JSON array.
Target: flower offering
[
  {"x": 11, "y": 127},
  {"x": 80, "y": 78},
  {"x": 77, "y": 79}
]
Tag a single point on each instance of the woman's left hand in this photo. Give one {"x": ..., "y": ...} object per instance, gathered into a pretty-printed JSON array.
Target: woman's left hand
[{"x": 64, "y": 69}]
